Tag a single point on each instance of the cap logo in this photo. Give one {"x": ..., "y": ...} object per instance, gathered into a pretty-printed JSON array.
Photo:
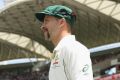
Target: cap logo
[{"x": 62, "y": 12}]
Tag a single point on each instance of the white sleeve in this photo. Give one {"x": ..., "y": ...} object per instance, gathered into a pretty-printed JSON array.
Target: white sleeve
[{"x": 77, "y": 63}]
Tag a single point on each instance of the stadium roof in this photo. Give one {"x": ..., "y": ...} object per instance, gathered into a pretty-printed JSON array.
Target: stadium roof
[
  {"x": 97, "y": 24},
  {"x": 118, "y": 1}
]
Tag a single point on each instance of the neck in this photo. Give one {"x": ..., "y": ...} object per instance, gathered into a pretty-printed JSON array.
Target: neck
[{"x": 56, "y": 40}]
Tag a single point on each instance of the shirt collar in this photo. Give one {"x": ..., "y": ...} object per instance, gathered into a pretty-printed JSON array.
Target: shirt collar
[{"x": 64, "y": 41}]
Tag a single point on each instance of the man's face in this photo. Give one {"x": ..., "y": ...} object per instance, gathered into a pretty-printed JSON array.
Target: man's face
[{"x": 50, "y": 27}]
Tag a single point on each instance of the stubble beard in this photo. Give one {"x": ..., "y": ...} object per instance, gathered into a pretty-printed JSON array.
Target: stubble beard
[
  {"x": 47, "y": 36},
  {"x": 45, "y": 33}
]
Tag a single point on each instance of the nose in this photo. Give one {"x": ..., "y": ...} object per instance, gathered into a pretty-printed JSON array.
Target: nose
[
  {"x": 42, "y": 25},
  {"x": 43, "y": 28}
]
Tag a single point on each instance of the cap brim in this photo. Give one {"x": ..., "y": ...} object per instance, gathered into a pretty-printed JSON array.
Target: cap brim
[{"x": 41, "y": 15}]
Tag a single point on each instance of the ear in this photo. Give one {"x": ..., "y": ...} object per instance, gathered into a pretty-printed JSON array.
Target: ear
[{"x": 62, "y": 22}]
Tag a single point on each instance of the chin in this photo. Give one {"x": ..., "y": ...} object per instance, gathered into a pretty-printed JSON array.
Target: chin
[{"x": 47, "y": 39}]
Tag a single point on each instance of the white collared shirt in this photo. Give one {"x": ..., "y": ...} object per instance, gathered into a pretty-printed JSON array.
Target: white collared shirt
[{"x": 71, "y": 61}]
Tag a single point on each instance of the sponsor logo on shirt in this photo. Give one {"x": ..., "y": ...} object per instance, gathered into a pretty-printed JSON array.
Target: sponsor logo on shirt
[
  {"x": 55, "y": 61},
  {"x": 85, "y": 69}
]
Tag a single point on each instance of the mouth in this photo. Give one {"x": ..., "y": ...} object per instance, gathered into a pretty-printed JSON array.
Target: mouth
[
  {"x": 44, "y": 29},
  {"x": 46, "y": 33}
]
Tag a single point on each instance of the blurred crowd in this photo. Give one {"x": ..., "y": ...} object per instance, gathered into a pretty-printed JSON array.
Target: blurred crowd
[{"x": 29, "y": 75}]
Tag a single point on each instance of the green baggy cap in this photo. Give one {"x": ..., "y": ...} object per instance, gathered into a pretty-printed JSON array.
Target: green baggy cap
[{"x": 58, "y": 11}]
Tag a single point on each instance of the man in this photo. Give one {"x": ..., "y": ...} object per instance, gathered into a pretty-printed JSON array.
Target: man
[{"x": 71, "y": 60}]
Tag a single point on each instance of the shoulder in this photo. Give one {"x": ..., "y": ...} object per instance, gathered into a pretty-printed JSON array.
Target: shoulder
[
  {"x": 75, "y": 45},
  {"x": 75, "y": 48}
]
